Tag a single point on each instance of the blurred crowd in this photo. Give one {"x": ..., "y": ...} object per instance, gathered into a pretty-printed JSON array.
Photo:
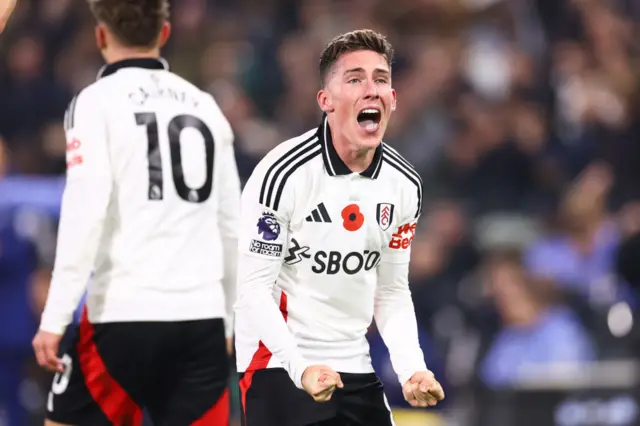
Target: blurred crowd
[{"x": 522, "y": 116}]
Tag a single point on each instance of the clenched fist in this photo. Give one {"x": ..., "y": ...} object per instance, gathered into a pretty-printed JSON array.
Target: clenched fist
[
  {"x": 6, "y": 8},
  {"x": 423, "y": 390},
  {"x": 320, "y": 381}
]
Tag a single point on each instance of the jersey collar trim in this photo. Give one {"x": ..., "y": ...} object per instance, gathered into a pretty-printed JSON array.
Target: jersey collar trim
[
  {"x": 334, "y": 165},
  {"x": 147, "y": 63}
]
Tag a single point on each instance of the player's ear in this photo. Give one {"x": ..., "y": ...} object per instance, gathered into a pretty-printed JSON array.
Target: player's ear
[
  {"x": 165, "y": 33},
  {"x": 394, "y": 101},
  {"x": 101, "y": 37},
  {"x": 324, "y": 101}
]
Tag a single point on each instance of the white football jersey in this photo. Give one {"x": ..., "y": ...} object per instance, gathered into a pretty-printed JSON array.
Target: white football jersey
[
  {"x": 323, "y": 251},
  {"x": 151, "y": 202}
]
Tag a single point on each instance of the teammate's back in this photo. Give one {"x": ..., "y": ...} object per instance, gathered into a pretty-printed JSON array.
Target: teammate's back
[
  {"x": 168, "y": 149},
  {"x": 150, "y": 207}
]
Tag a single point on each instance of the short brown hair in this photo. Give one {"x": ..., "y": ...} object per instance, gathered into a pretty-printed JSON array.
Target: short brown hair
[
  {"x": 136, "y": 23},
  {"x": 351, "y": 42}
]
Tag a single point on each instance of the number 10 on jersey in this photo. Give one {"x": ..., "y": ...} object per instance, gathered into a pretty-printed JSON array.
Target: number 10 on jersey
[{"x": 154, "y": 156}]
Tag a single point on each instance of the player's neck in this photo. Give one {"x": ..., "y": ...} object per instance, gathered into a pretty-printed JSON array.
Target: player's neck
[
  {"x": 117, "y": 54},
  {"x": 357, "y": 159}
]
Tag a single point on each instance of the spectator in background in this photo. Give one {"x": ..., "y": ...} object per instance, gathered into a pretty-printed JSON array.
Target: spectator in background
[
  {"x": 442, "y": 256},
  {"x": 536, "y": 330},
  {"x": 29, "y": 97},
  {"x": 628, "y": 254},
  {"x": 26, "y": 238},
  {"x": 580, "y": 258}
]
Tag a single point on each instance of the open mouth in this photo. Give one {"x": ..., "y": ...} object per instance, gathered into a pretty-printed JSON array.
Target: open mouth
[{"x": 369, "y": 119}]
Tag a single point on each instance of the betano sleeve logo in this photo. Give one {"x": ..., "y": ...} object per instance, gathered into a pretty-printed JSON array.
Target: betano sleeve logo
[
  {"x": 402, "y": 238},
  {"x": 74, "y": 156}
]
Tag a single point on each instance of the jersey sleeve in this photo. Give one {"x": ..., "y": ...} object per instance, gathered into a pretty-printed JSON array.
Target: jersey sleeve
[
  {"x": 263, "y": 239},
  {"x": 228, "y": 217},
  {"x": 84, "y": 206},
  {"x": 393, "y": 310}
]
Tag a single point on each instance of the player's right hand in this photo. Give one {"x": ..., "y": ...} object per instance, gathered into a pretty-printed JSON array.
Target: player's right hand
[
  {"x": 45, "y": 346},
  {"x": 6, "y": 8},
  {"x": 320, "y": 381}
]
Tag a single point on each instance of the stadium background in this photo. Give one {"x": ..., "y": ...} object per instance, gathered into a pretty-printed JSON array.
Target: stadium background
[{"x": 523, "y": 118}]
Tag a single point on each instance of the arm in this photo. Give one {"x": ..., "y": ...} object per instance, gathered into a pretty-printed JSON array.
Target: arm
[
  {"x": 84, "y": 206},
  {"x": 259, "y": 264},
  {"x": 396, "y": 321},
  {"x": 394, "y": 312},
  {"x": 228, "y": 222}
]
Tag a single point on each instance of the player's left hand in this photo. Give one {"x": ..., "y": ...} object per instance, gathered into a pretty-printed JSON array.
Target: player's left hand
[
  {"x": 45, "y": 346},
  {"x": 423, "y": 390},
  {"x": 6, "y": 8}
]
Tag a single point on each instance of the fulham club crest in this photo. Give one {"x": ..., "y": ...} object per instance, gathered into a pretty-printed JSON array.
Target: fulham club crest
[{"x": 384, "y": 215}]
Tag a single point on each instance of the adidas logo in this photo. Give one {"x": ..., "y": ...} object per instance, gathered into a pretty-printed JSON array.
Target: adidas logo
[{"x": 319, "y": 214}]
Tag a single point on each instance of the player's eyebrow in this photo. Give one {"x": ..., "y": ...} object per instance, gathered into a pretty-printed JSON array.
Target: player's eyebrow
[
  {"x": 358, "y": 70},
  {"x": 382, "y": 71},
  {"x": 354, "y": 70}
]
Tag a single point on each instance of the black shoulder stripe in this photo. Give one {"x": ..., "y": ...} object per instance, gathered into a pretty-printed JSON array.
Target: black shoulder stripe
[
  {"x": 394, "y": 153},
  {"x": 390, "y": 152},
  {"x": 268, "y": 177},
  {"x": 376, "y": 172},
  {"x": 69, "y": 114},
  {"x": 294, "y": 162},
  {"x": 315, "y": 151},
  {"x": 278, "y": 179},
  {"x": 409, "y": 174}
]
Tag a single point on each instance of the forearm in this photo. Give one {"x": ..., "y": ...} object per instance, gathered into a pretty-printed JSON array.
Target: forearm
[
  {"x": 267, "y": 319},
  {"x": 396, "y": 321},
  {"x": 81, "y": 223}
]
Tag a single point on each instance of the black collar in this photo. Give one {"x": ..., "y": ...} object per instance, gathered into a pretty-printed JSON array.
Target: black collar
[
  {"x": 147, "y": 63},
  {"x": 333, "y": 164}
]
